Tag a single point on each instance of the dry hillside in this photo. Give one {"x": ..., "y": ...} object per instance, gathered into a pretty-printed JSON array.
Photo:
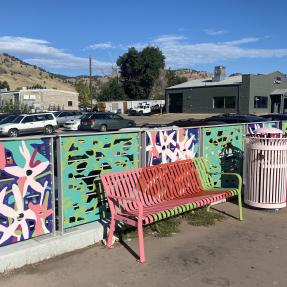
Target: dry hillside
[{"x": 19, "y": 74}]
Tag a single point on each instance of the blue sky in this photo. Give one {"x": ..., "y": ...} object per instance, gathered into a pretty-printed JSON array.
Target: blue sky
[{"x": 245, "y": 36}]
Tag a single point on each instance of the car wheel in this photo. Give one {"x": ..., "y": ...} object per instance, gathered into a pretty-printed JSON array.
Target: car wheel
[
  {"x": 13, "y": 133},
  {"x": 103, "y": 128},
  {"x": 140, "y": 113},
  {"x": 48, "y": 130}
]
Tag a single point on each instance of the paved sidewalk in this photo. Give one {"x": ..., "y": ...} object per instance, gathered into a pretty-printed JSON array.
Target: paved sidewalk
[{"x": 231, "y": 253}]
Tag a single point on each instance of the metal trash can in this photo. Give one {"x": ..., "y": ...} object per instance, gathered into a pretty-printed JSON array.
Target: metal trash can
[{"x": 266, "y": 169}]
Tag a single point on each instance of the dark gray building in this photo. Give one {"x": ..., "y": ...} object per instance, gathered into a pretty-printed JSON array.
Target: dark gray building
[{"x": 253, "y": 94}]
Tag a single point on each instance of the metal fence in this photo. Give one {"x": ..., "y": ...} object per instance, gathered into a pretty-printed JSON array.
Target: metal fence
[{"x": 28, "y": 207}]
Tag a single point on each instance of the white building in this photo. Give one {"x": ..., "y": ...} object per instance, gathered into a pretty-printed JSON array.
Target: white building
[{"x": 42, "y": 99}]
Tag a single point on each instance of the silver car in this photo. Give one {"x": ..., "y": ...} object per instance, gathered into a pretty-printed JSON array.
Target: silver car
[
  {"x": 29, "y": 124},
  {"x": 104, "y": 122},
  {"x": 64, "y": 116}
]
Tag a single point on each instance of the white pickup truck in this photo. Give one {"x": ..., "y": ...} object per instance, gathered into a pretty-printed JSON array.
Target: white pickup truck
[{"x": 141, "y": 109}]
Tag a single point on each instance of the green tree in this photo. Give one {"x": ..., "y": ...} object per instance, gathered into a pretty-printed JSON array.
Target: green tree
[
  {"x": 14, "y": 108},
  {"x": 84, "y": 93},
  {"x": 173, "y": 79},
  {"x": 152, "y": 61},
  {"x": 139, "y": 70},
  {"x": 4, "y": 85},
  {"x": 112, "y": 91}
]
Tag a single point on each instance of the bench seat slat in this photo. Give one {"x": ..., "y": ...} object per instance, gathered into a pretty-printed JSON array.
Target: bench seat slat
[{"x": 185, "y": 203}]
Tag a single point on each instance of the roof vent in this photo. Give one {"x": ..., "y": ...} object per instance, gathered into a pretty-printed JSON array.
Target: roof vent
[{"x": 219, "y": 74}]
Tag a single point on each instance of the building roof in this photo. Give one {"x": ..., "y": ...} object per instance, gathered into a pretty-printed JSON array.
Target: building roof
[
  {"x": 234, "y": 80},
  {"x": 279, "y": 92},
  {"x": 38, "y": 91}
]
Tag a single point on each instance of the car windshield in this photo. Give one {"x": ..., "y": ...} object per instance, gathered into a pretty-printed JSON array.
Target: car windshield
[
  {"x": 57, "y": 114},
  {"x": 17, "y": 120},
  {"x": 8, "y": 119}
]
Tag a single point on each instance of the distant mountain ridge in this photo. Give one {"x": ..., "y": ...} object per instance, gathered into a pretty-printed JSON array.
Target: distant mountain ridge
[{"x": 20, "y": 74}]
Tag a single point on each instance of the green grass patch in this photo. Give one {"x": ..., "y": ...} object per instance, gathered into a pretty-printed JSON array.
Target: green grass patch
[
  {"x": 170, "y": 226},
  {"x": 201, "y": 217},
  {"x": 166, "y": 227}
]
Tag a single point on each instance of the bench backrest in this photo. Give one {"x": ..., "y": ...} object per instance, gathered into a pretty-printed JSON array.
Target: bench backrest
[
  {"x": 152, "y": 185},
  {"x": 204, "y": 172}
]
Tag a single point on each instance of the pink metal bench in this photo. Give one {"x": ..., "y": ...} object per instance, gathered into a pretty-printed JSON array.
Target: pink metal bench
[{"x": 143, "y": 196}]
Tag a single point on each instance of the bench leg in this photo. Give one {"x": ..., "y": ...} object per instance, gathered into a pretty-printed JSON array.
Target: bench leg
[
  {"x": 141, "y": 241},
  {"x": 240, "y": 207},
  {"x": 111, "y": 232}
]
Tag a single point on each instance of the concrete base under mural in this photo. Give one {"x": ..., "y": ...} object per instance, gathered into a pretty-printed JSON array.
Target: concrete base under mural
[{"x": 35, "y": 250}]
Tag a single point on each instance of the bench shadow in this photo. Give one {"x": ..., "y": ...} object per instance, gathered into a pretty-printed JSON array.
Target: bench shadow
[
  {"x": 223, "y": 212},
  {"x": 127, "y": 247}
]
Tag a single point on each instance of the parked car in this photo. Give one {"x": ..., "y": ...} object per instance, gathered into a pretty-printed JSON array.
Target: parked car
[
  {"x": 29, "y": 124},
  {"x": 236, "y": 118},
  {"x": 141, "y": 109},
  {"x": 3, "y": 116},
  {"x": 64, "y": 116},
  {"x": 104, "y": 121},
  {"x": 8, "y": 118},
  {"x": 74, "y": 124},
  {"x": 194, "y": 123},
  {"x": 275, "y": 117}
]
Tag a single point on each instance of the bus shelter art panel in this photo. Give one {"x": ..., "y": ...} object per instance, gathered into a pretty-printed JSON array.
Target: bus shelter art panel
[{"x": 83, "y": 159}]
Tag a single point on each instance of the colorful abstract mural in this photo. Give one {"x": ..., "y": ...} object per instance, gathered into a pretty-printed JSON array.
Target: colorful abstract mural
[
  {"x": 272, "y": 125},
  {"x": 164, "y": 146},
  {"x": 252, "y": 127},
  {"x": 284, "y": 127},
  {"x": 223, "y": 149},
  {"x": 83, "y": 159},
  {"x": 25, "y": 190}
]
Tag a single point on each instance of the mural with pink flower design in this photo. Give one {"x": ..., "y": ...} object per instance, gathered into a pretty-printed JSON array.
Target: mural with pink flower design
[
  {"x": 25, "y": 190},
  {"x": 164, "y": 146}
]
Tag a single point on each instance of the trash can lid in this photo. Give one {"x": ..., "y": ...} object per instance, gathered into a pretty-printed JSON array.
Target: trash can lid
[{"x": 265, "y": 131}]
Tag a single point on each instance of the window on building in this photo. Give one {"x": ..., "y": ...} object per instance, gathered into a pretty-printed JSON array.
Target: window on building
[
  {"x": 70, "y": 103},
  {"x": 260, "y": 102},
  {"x": 230, "y": 102},
  {"x": 218, "y": 102},
  {"x": 224, "y": 102}
]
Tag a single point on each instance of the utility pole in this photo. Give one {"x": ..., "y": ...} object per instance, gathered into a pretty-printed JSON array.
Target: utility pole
[{"x": 90, "y": 64}]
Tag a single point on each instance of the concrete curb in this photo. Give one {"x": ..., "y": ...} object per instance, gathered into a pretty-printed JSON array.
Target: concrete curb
[{"x": 38, "y": 249}]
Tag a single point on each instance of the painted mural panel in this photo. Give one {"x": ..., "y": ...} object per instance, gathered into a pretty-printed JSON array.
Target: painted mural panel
[
  {"x": 84, "y": 158},
  {"x": 163, "y": 146},
  {"x": 252, "y": 127},
  {"x": 271, "y": 125},
  {"x": 284, "y": 127},
  {"x": 223, "y": 148},
  {"x": 25, "y": 190}
]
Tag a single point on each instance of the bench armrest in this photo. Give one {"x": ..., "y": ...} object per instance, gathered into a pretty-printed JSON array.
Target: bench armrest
[{"x": 238, "y": 176}]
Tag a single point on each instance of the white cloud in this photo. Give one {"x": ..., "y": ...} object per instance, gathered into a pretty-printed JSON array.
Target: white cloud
[
  {"x": 105, "y": 45},
  {"x": 179, "y": 52},
  {"x": 169, "y": 38},
  {"x": 212, "y": 32},
  {"x": 242, "y": 41},
  {"x": 42, "y": 53}
]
